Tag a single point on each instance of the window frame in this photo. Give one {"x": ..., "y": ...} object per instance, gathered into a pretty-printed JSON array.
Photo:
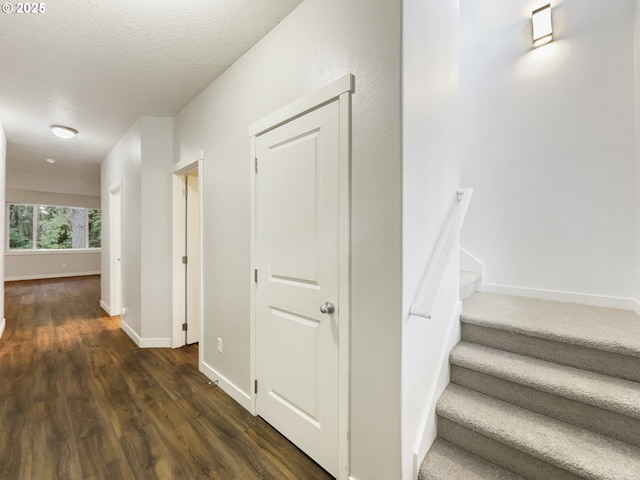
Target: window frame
[{"x": 34, "y": 241}]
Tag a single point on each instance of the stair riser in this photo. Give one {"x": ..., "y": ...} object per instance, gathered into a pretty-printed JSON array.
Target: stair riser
[
  {"x": 469, "y": 288},
  {"x": 449, "y": 462},
  {"x": 617, "y": 365},
  {"x": 500, "y": 454},
  {"x": 606, "y": 422}
]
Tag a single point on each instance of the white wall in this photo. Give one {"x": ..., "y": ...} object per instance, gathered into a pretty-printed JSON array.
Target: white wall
[
  {"x": 3, "y": 163},
  {"x": 123, "y": 165},
  {"x": 60, "y": 178},
  {"x": 156, "y": 226},
  {"x": 547, "y": 142},
  {"x": 47, "y": 198},
  {"x": 430, "y": 180},
  {"x": 142, "y": 161},
  {"x": 636, "y": 91},
  {"x": 319, "y": 42},
  {"x": 51, "y": 264},
  {"x": 23, "y": 265}
]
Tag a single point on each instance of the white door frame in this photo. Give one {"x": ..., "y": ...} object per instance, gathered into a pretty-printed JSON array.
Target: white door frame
[
  {"x": 341, "y": 90},
  {"x": 115, "y": 263},
  {"x": 179, "y": 171}
]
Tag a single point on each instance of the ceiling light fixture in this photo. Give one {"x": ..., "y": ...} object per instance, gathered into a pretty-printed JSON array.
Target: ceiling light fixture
[
  {"x": 50, "y": 160},
  {"x": 63, "y": 132},
  {"x": 542, "y": 28}
]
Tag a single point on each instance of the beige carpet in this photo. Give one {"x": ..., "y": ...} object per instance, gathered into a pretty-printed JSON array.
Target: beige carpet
[{"x": 540, "y": 390}]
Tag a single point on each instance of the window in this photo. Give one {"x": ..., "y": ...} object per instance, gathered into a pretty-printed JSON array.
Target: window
[{"x": 51, "y": 227}]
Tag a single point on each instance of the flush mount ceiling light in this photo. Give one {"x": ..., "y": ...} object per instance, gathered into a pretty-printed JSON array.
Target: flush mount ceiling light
[
  {"x": 50, "y": 160},
  {"x": 63, "y": 132},
  {"x": 542, "y": 28}
]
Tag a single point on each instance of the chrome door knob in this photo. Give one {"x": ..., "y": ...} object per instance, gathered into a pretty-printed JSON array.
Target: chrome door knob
[{"x": 328, "y": 307}]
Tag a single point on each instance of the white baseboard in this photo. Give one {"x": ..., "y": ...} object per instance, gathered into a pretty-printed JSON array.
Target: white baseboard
[
  {"x": 155, "y": 343},
  {"x": 48, "y": 275},
  {"x": 129, "y": 331},
  {"x": 228, "y": 387},
  {"x": 3, "y": 324},
  {"x": 470, "y": 263},
  {"x": 144, "y": 342},
  {"x": 570, "y": 297},
  {"x": 105, "y": 307},
  {"x": 428, "y": 432}
]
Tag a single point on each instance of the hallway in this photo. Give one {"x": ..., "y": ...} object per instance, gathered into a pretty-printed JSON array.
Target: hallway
[{"x": 79, "y": 400}]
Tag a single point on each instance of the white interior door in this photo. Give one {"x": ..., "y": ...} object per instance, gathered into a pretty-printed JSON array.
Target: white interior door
[
  {"x": 297, "y": 256},
  {"x": 115, "y": 212},
  {"x": 193, "y": 254}
]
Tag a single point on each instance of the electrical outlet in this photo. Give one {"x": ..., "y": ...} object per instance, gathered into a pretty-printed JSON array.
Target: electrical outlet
[{"x": 219, "y": 345}]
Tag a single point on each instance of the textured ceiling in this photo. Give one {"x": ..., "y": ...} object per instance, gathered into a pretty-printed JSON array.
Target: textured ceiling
[{"x": 98, "y": 65}]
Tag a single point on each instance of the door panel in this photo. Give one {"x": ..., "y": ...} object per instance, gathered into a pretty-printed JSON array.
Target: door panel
[{"x": 297, "y": 239}]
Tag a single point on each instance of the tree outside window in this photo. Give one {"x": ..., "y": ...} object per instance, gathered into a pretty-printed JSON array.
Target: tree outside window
[
  {"x": 20, "y": 226},
  {"x": 95, "y": 227},
  {"x": 55, "y": 227}
]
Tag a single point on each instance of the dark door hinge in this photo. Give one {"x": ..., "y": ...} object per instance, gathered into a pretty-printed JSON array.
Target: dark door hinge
[
  {"x": 255, "y": 386},
  {"x": 185, "y": 259},
  {"x": 184, "y": 327},
  {"x": 255, "y": 275},
  {"x": 255, "y": 164}
]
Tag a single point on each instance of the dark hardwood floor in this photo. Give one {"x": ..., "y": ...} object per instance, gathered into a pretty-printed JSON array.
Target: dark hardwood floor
[{"x": 78, "y": 400}]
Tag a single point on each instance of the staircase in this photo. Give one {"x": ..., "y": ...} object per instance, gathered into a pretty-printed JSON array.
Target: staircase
[{"x": 540, "y": 390}]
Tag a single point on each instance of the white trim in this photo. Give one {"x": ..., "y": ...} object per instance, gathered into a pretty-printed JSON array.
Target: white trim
[
  {"x": 144, "y": 342},
  {"x": 428, "y": 431},
  {"x": 49, "y": 275},
  {"x": 155, "y": 343},
  {"x": 344, "y": 279},
  {"x": 244, "y": 399},
  {"x": 314, "y": 100},
  {"x": 469, "y": 263},
  {"x": 178, "y": 268},
  {"x": 178, "y": 274},
  {"x": 3, "y": 324},
  {"x": 7, "y": 222},
  {"x": 340, "y": 90},
  {"x": 115, "y": 189},
  {"x": 188, "y": 164},
  {"x": 252, "y": 266},
  {"x": 130, "y": 331},
  {"x": 105, "y": 307},
  {"x": 570, "y": 297},
  {"x": 57, "y": 251}
]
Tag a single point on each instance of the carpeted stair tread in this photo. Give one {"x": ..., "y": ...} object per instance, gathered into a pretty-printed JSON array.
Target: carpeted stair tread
[
  {"x": 599, "y": 361},
  {"x": 600, "y": 328},
  {"x": 603, "y": 391},
  {"x": 447, "y": 461},
  {"x": 576, "y": 450}
]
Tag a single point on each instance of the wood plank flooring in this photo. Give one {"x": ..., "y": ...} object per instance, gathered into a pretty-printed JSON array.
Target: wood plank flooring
[{"x": 79, "y": 400}]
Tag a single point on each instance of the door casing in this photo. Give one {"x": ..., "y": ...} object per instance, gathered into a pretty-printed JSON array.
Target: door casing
[
  {"x": 341, "y": 90},
  {"x": 179, "y": 279},
  {"x": 115, "y": 249}
]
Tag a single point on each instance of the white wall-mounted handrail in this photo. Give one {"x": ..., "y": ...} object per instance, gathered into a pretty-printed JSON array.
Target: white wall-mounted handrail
[{"x": 434, "y": 273}]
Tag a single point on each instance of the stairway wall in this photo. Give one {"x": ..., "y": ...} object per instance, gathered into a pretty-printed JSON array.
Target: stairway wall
[
  {"x": 547, "y": 143},
  {"x": 430, "y": 178},
  {"x": 636, "y": 84}
]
